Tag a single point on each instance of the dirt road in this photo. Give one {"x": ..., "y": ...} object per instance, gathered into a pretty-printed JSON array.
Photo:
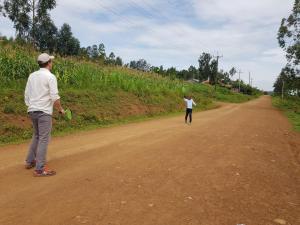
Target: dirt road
[{"x": 238, "y": 164}]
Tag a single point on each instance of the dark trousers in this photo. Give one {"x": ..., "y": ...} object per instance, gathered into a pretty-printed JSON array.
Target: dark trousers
[{"x": 188, "y": 114}]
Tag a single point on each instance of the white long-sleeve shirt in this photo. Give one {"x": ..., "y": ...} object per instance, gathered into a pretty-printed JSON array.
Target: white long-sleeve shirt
[
  {"x": 41, "y": 91},
  {"x": 189, "y": 103}
]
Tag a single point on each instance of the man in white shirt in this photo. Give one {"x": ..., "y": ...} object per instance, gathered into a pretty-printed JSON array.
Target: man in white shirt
[
  {"x": 41, "y": 94},
  {"x": 189, "y": 108}
]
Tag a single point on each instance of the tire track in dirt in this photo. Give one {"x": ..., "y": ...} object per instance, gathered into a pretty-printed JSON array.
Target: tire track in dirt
[{"x": 238, "y": 164}]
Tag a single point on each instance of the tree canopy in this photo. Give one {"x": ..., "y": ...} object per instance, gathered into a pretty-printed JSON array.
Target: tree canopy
[{"x": 289, "y": 39}]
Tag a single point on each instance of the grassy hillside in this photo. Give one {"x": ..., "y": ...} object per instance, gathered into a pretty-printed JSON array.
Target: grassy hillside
[
  {"x": 291, "y": 108},
  {"x": 98, "y": 95}
]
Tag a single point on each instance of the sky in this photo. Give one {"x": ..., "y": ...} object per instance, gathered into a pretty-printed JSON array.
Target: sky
[{"x": 176, "y": 32}]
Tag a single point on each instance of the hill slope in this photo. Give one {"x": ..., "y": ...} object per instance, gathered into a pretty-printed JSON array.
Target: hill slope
[{"x": 98, "y": 95}]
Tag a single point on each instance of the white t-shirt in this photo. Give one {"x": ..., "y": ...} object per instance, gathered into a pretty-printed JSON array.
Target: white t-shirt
[
  {"x": 189, "y": 103},
  {"x": 41, "y": 91}
]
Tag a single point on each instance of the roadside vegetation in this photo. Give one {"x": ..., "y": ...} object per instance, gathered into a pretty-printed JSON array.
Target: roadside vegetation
[
  {"x": 99, "y": 95},
  {"x": 287, "y": 85},
  {"x": 291, "y": 107}
]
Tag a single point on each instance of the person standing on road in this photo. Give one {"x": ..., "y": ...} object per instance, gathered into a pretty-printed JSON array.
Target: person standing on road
[
  {"x": 189, "y": 108},
  {"x": 41, "y": 94}
]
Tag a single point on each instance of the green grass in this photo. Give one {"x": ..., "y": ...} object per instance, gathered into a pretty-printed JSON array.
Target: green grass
[
  {"x": 98, "y": 95},
  {"x": 291, "y": 107}
]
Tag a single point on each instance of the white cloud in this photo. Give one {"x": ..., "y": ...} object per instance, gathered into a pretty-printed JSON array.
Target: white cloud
[{"x": 240, "y": 11}]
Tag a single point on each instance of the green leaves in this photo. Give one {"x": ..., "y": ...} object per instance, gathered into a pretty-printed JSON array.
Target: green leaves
[
  {"x": 28, "y": 16},
  {"x": 288, "y": 81},
  {"x": 67, "y": 44},
  {"x": 289, "y": 35}
]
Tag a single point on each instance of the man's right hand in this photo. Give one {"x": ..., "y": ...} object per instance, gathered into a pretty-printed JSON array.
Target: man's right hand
[
  {"x": 62, "y": 111},
  {"x": 58, "y": 106}
]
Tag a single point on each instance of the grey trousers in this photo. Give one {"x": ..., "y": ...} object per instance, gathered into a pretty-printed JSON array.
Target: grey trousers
[{"x": 42, "y": 125}]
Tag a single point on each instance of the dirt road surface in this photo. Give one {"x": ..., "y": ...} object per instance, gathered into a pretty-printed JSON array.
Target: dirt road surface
[{"x": 238, "y": 164}]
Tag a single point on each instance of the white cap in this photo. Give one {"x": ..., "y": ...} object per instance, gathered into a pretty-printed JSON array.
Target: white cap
[{"x": 43, "y": 58}]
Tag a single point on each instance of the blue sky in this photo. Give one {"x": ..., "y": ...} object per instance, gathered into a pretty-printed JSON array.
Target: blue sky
[{"x": 175, "y": 33}]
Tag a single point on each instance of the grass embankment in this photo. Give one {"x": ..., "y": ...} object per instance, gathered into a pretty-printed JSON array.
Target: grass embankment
[
  {"x": 98, "y": 95},
  {"x": 291, "y": 107}
]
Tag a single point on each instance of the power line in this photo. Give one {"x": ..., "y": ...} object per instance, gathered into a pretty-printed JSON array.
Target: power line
[
  {"x": 115, "y": 13},
  {"x": 153, "y": 13}
]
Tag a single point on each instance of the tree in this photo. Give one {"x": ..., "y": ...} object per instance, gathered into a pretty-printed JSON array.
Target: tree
[
  {"x": 208, "y": 68},
  {"x": 89, "y": 51},
  {"x": 28, "y": 16},
  {"x": 171, "y": 72},
  {"x": 18, "y": 13},
  {"x": 204, "y": 66},
  {"x": 66, "y": 43},
  {"x": 119, "y": 61},
  {"x": 288, "y": 82},
  {"x": 141, "y": 64},
  {"x": 289, "y": 35},
  {"x": 154, "y": 69},
  {"x": 111, "y": 59},
  {"x": 94, "y": 52},
  {"x": 161, "y": 70},
  {"x": 213, "y": 73},
  {"x": 83, "y": 52},
  {"x": 183, "y": 74},
  {"x": 101, "y": 53},
  {"x": 46, "y": 36},
  {"x": 192, "y": 73},
  {"x": 224, "y": 77},
  {"x": 232, "y": 72}
]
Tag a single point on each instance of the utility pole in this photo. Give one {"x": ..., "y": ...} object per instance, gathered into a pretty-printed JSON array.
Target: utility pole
[
  {"x": 282, "y": 90},
  {"x": 240, "y": 80},
  {"x": 216, "y": 78},
  {"x": 249, "y": 78}
]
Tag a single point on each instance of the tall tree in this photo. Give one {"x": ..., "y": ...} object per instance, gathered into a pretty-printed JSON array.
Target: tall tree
[
  {"x": 119, "y": 61},
  {"x": 89, "y": 51},
  {"x": 289, "y": 35},
  {"x": 208, "y": 68},
  {"x": 287, "y": 82},
  {"x": 28, "y": 16},
  {"x": 141, "y": 64},
  {"x": 289, "y": 39},
  {"x": 101, "y": 53},
  {"x": 94, "y": 52},
  {"x": 232, "y": 71},
  {"x": 101, "y": 50},
  {"x": 66, "y": 43},
  {"x": 213, "y": 73},
  {"x": 46, "y": 37},
  {"x": 204, "y": 66},
  {"x": 192, "y": 73},
  {"x": 111, "y": 59}
]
